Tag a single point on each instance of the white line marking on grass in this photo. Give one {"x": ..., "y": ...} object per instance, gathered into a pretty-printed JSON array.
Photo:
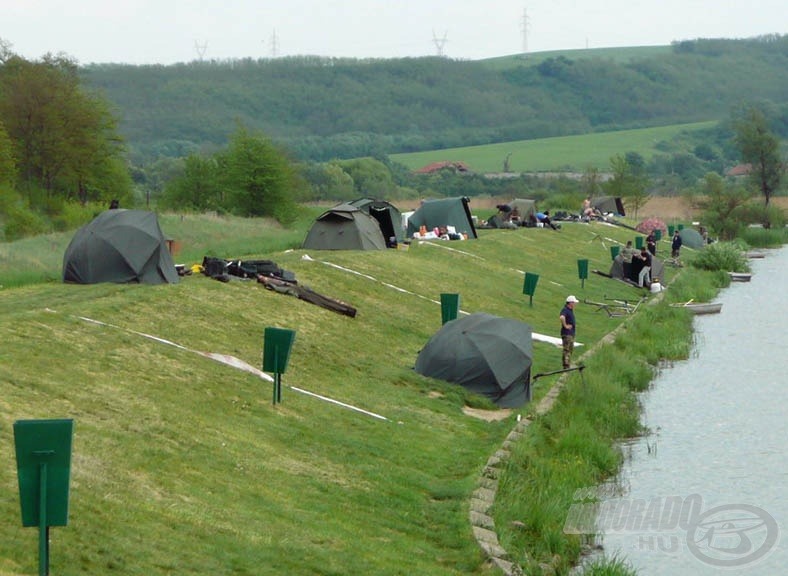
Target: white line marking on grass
[
  {"x": 535, "y": 335},
  {"x": 422, "y": 243},
  {"x": 233, "y": 362},
  {"x": 337, "y": 402}
]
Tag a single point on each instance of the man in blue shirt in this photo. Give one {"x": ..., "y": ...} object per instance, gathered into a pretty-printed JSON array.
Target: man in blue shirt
[
  {"x": 568, "y": 326},
  {"x": 544, "y": 218}
]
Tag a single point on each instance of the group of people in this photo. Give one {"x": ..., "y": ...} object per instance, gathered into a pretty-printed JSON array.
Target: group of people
[
  {"x": 629, "y": 254},
  {"x": 642, "y": 258}
]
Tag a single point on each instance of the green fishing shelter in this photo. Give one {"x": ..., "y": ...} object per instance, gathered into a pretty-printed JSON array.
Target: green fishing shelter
[
  {"x": 691, "y": 238},
  {"x": 609, "y": 205},
  {"x": 454, "y": 212},
  {"x": 120, "y": 246},
  {"x": 488, "y": 355},
  {"x": 345, "y": 227},
  {"x": 388, "y": 216}
]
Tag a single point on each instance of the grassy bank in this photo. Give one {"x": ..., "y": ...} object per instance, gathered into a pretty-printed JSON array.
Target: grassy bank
[{"x": 183, "y": 465}]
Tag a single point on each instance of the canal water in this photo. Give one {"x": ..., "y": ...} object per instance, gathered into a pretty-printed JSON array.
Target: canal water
[{"x": 706, "y": 492}]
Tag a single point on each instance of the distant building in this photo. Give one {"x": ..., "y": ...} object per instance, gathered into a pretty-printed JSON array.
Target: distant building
[
  {"x": 739, "y": 170},
  {"x": 445, "y": 165}
]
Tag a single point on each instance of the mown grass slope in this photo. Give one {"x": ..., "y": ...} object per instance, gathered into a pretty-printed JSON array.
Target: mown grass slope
[{"x": 183, "y": 465}]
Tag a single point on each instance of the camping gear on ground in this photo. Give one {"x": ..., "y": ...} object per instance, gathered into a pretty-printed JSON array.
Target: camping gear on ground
[
  {"x": 485, "y": 354},
  {"x": 498, "y": 221},
  {"x": 388, "y": 216},
  {"x": 445, "y": 212},
  {"x": 616, "y": 306},
  {"x": 119, "y": 246},
  {"x": 345, "y": 227},
  {"x": 691, "y": 238},
  {"x": 307, "y": 294}
]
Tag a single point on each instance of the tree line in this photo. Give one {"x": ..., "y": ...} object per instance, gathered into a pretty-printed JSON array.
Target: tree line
[
  {"x": 326, "y": 108},
  {"x": 64, "y": 153}
]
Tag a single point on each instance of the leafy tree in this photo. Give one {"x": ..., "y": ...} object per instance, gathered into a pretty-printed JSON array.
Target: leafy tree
[
  {"x": 260, "y": 179},
  {"x": 591, "y": 183},
  {"x": 723, "y": 205},
  {"x": 64, "y": 137},
  {"x": 7, "y": 162},
  {"x": 329, "y": 182},
  {"x": 760, "y": 148},
  {"x": 371, "y": 177},
  {"x": 198, "y": 188},
  {"x": 629, "y": 180}
]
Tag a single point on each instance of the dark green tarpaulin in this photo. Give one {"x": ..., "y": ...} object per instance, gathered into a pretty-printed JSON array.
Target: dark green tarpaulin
[{"x": 444, "y": 212}]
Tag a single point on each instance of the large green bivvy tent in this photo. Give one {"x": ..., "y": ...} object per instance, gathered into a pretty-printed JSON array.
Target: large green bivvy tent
[
  {"x": 388, "y": 216},
  {"x": 691, "y": 238},
  {"x": 444, "y": 212},
  {"x": 345, "y": 227},
  {"x": 486, "y": 354},
  {"x": 609, "y": 205},
  {"x": 119, "y": 246}
]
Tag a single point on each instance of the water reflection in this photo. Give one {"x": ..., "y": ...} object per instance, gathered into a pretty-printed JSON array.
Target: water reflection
[{"x": 718, "y": 435}]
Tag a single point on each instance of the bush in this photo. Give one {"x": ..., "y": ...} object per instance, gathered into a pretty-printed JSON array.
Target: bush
[
  {"x": 74, "y": 215},
  {"x": 726, "y": 256},
  {"x": 21, "y": 222},
  {"x": 765, "y": 238},
  {"x": 757, "y": 213}
]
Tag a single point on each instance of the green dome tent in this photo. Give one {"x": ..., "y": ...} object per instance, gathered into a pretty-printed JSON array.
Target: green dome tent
[
  {"x": 388, "y": 216},
  {"x": 120, "y": 246},
  {"x": 345, "y": 227},
  {"x": 485, "y": 354}
]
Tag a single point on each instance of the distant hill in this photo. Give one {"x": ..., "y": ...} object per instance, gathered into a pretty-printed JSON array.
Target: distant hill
[{"x": 324, "y": 108}]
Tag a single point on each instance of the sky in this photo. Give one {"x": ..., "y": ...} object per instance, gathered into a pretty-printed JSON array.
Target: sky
[{"x": 171, "y": 31}]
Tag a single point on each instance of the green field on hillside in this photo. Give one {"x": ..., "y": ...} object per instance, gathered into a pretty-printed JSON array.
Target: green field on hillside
[
  {"x": 619, "y": 55},
  {"x": 564, "y": 154},
  {"x": 183, "y": 465}
]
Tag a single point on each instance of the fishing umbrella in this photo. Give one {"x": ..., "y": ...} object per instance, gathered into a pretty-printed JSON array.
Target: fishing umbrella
[
  {"x": 691, "y": 238},
  {"x": 119, "y": 246},
  {"x": 486, "y": 354}
]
